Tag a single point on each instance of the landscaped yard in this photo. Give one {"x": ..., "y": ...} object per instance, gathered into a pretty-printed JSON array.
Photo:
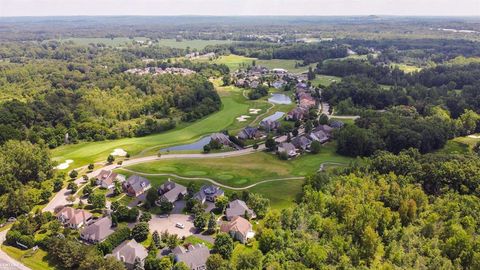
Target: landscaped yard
[{"x": 35, "y": 260}]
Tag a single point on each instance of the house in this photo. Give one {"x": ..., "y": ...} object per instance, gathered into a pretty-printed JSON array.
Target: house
[
  {"x": 239, "y": 228},
  {"x": 337, "y": 124},
  {"x": 279, "y": 71},
  {"x": 74, "y": 218},
  {"x": 302, "y": 143},
  {"x": 221, "y": 138},
  {"x": 319, "y": 136},
  {"x": 208, "y": 193},
  {"x": 297, "y": 113},
  {"x": 249, "y": 133},
  {"x": 136, "y": 185},
  {"x": 172, "y": 191},
  {"x": 238, "y": 208},
  {"x": 240, "y": 83},
  {"x": 106, "y": 179},
  {"x": 278, "y": 84},
  {"x": 97, "y": 231},
  {"x": 270, "y": 125},
  {"x": 128, "y": 251},
  {"x": 325, "y": 128},
  {"x": 288, "y": 148},
  {"x": 254, "y": 84},
  {"x": 194, "y": 256}
]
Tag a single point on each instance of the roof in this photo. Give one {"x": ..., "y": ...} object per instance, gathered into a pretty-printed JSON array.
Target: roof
[
  {"x": 208, "y": 190},
  {"x": 74, "y": 216},
  {"x": 137, "y": 182},
  {"x": 286, "y": 147},
  {"x": 194, "y": 256},
  {"x": 172, "y": 190},
  {"x": 107, "y": 177},
  {"x": 238, "y": 208},
  {"x": 248, "y": 132},
  {"x": 128, "y": 251},
  {"x": 99, "y": 230},
  {"x": 301, "y": 142},
  {"x": 237, "y": 224}
]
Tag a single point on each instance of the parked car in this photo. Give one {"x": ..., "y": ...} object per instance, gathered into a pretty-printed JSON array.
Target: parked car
[
  {"x": 11, "y": 219},
  {"x": 180, "y": 225}
]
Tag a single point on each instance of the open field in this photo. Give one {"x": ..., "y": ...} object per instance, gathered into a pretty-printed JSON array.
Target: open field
[
  {"x": 192, "y": 44},
  {"x": 235, "y": 62},
  {"x": 35, "y": 260},
  {"x": 407, "y": 68},
  {"x": 460, "y": 145},
  {"x": 234, "y": 105},
  {"x": 120, "y": 41},
  {"x": 325, "y": 80}
]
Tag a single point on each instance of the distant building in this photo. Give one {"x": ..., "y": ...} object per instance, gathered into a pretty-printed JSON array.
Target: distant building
[
  {"x": 238, "y": 208},
  {"x": 74, "y": 218},
  {"x": 128, "y": 251},
  {"x": 194, "y": 256},
  {"x": 97, "y": 231},
  {"x": 208, "y": 193},
  {"x": 136, "y": 185},
  {"x": 239, "y": 228},
  {"x": 172, "y": 191}
]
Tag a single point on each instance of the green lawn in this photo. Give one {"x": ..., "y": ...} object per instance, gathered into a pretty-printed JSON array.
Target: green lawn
[
  {"x": 35, "y": 260},
  {"x": 407, "y": 68},
  {"x": 233, "y": 105},
  {"x": 235, "y": 62},
  {"x": 460, "y": 145},
  {"x": 325, "y": 80}
]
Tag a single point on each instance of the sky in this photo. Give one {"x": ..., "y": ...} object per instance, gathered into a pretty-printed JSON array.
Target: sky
[{"x": 10, "y": 8}]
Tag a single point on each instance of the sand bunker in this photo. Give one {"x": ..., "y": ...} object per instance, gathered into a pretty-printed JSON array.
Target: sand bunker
[
  {"x": 64, "y": 165},
  {"x": 474, "y": 136},
  {"x": 242, "y": 118},
  {"x": 254, "y": 111},
  {"x": 119, "y": 152}
]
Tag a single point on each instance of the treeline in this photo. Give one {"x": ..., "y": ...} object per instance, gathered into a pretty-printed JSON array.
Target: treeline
[
  {"x": 402, "y": 128},
  {"x": 309, "y": 53}
]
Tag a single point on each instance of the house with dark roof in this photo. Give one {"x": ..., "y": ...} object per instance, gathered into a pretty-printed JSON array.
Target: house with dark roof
[
  {"x": 298, "y": 113},
  {"x": 208, "y": 193},
  {"x": 194, "y": 256},
  {"x": 136, "y": 185},
  {"x": 239, "y": 229},
  {"x": 128, "y": 251},
  {"x": 221, "y": 138},
  {"x": 74, "y": 218},
  {"x": 97, "y": 231},
  {"x": 319, "y": 136},
  {"x": 172, "y": 191},
  {"x": 301, "y": 142},
  {"x": 238, "y": 208},
  {"x": 249, "y": 133},
  {"x": 288, "y": 148},
  {"x": 337, "y": 124}
]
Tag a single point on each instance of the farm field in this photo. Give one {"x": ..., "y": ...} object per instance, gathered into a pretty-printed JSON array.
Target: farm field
[{"x": 234, "y": 105}]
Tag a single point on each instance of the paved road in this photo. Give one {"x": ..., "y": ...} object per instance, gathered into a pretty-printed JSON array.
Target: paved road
[
  {"x": 60, "y": 198},
  {"x": 6, "y": 262}
]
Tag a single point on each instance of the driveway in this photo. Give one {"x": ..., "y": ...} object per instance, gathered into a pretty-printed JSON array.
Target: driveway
[
  {"x": 161, "y": 224},
  {"x": 178, "y": 207},
  {"x": 6, "y": 262}
]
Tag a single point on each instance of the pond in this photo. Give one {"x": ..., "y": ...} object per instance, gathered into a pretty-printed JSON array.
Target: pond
[
  {"x": 198, "y": 145},
  {"x": 274, "y": 117},
  {"x": 280, "y": 99}
]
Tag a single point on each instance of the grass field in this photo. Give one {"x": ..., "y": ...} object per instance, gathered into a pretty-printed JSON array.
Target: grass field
[
  {"x": 460, "y": 145},
  {"x": 325, "y": 80},
  {"x": 35, "y": 260},
  {"x": 407, "y": 68},
  {"x": 235, "y": 62},
  {"x": 234, "y": 105}
]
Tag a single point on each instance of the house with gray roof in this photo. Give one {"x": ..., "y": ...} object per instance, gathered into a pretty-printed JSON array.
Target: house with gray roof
[
  {"x": 221, "y": 138},
  {"x": 136, "y": 185},
  {"x": 97, "y": 231},
  {"x": 128, "y": 251},
  {"x": 287, "y": 148},
  {"x": 194, "y": 256},
  {"x": 172, "y": 191},
  {"x": 238, "y": 208},
  {"x": 319, "y": 136},
  {"x": 249, "y": 133},
  {"x": 208, "y": 193},
  {"x": 302, "y": 143}
]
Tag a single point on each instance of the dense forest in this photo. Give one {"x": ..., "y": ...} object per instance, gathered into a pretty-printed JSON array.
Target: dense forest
[{"x": 51, "y": 90}]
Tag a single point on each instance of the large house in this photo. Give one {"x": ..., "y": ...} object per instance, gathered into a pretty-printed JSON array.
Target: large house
[
  {"x": 128, "y": 251},
  {"x": 97, "y": 231},
  {"x": 239, "y": 228},
  {"x": 208, "y": 193},
  {"x": 298, "y": 113},
  {"x": 249, "y": 133},
  {"x": 238, "y": 208},
  {"x": 302, "y": 142},
  {"x": 194, "y": 256},
  {"x": 74, "y": 218},
  {"x": 319, "y": 136},
  {"x": 136, "y": 185},
  {"x": 221, "y": 138},
  {"x": 172, "y": 191},
  {"x": 270, "y": 125},
  {"x": 288, "y": 148},
  {"x": 107, "y": 178}
]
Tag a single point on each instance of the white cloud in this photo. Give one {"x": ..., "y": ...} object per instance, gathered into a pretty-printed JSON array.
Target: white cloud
[{"x": 239, "y": 7}]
